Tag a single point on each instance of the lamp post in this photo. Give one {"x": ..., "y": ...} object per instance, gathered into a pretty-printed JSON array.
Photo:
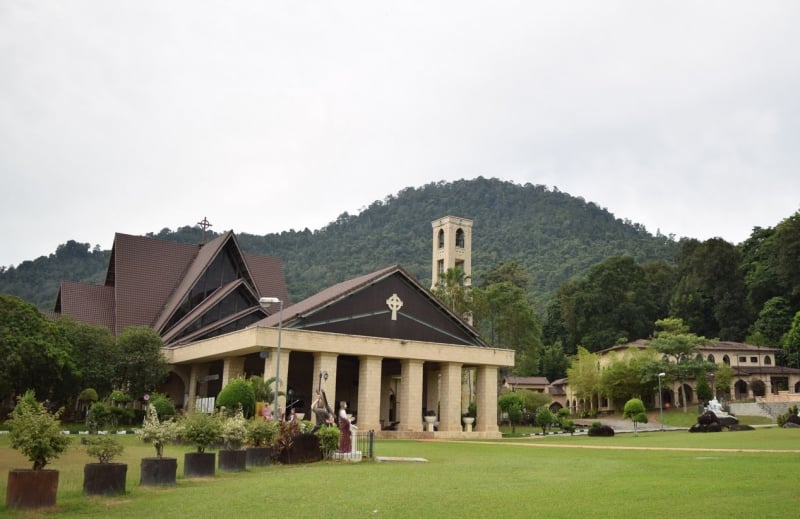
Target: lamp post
[
  {"x": 265, "y": 303},
  {"x": 661, "y": 400}
]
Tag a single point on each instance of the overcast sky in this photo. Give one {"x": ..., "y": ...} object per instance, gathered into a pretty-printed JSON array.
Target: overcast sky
[{"x": 267, "y": 116}]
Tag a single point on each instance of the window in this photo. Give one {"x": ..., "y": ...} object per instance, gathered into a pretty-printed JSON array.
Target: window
[
  {"x": 754, "y": 360},
  {"x": 441, "y": 239},
  {"x": 767, "y": 360},
  {"x": 711, "y": 359},
  {"x": 460, "y": 239},
  {"x": 440, "y": 267},
  {"x": 742, "y": 360},
  {"x": 726, "y": 360}
]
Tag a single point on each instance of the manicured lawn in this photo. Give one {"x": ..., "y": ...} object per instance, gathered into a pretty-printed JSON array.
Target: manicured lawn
[{"x": 545, "y": 477}]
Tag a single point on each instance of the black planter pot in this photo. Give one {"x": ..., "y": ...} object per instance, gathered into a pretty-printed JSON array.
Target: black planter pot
[
  {"x": 104, "y": 478},
  {"x": 28, "y": 488},
  {"x": 199, "y": 464},
  {"x": 158, "y": 471},
  {"x": 232, "y": 461},
  {"x": 259, "y": 456}
]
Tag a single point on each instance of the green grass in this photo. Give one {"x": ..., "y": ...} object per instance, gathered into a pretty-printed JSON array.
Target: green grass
[{"x": 553, "y": 477}]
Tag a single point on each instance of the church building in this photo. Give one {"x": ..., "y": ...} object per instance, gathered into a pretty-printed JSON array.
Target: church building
[{"x": 380, "y": 342}]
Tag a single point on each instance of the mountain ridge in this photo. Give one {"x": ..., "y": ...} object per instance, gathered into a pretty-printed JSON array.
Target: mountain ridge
[{"x": 553, "y": 234}]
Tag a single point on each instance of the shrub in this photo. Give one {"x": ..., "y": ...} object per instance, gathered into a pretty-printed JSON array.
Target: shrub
[
  {"x": 238, "y": 392},
  {"x": 99, "y": 415},
  {"x": 118, "y": 397},
  {"x": 635, "y": 410},
  {"x": 35, "y": 432},
  {"x": 201, "y": 430},
  {"x": 158, "y": 432},
  {"x": 122, "y": 415},
  {"x": 234, "y": 431},
  {"x": 328, "y": 440},
  {"x": 87, "y": 395},
  {"x": 261, "y": 432},
  {"x": 104, "y": 448},
  {"x": 544, "y": 418},
  {"x": 164, "y": 406}
]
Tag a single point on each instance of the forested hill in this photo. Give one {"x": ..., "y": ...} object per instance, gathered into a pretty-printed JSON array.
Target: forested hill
[{"x": 553, "y": 234}]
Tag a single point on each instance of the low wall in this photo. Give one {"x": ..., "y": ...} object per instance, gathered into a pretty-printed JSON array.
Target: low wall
[{"x": 767, "y": 409}]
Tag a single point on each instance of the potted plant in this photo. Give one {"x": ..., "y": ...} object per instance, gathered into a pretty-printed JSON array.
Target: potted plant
[
  {"x": 158, "y": 470},
  {"x": 202, "y": 430},
  {"x": 36, "y": 433},
  {"x": 233, "y": 458},
  {"x": 260, "y": 438},
  {"x": 104, "y": 477},
  {"x": 469, "y": 417}
]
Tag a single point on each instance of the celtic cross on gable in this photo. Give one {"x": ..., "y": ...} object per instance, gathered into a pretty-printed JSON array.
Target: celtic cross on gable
[{"x": 394, "y": 303}]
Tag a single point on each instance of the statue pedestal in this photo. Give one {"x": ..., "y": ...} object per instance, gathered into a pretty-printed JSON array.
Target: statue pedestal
[
  {"x": 468, "y": 421},
  {"x": 430, "y": 421}
]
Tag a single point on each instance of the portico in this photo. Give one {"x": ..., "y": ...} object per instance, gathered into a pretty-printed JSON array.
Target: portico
[{"x": 380, "y": 378}]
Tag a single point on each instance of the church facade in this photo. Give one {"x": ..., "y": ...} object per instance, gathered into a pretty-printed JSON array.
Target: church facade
[{"x": 380, "y": 342}]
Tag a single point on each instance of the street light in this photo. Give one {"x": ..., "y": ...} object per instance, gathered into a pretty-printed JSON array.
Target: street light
[
  {"x": 265, "y": 303},
  {"x": 661, "y": 400}
]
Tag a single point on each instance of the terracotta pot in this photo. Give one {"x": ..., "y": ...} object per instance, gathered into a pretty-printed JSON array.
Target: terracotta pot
[
  {"x": 232, "y": 461},
  {"x": 31, "y": 488},
  {"x": 258, "y": 456},
  {"x": 199, "y": 464},
  {"x": 158, "y": 471},
  {"x": 104, "y": 478}
]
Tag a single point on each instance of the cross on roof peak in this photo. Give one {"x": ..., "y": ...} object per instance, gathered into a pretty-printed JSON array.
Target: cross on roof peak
[{"x": 204, "y": 224}]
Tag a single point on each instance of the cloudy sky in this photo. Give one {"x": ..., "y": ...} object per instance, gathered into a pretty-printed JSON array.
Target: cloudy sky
[{"x": 265, "y": 116}]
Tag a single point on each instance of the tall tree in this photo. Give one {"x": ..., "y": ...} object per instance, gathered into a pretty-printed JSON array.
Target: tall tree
[
  {"x": 36, "y": 354},
  {"x": 95, "y": 353},
  {"x": 791, "y": 343},
  {"x": 613, "y": 304},
  {"x": 774, "y": 320},
  {"x": 710, "y": 296},
  {"x": 673, "y": 340},
  {"x": 584, "y": 376},
  {"x": 454, "y": 291},
  {"x": 513, "y": 272},
  {"x": 504, "y": 316},
  {"x": 142, "y": 364}
]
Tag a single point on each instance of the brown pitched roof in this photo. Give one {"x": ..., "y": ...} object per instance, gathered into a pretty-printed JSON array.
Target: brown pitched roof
[
  {"x": 146, "y": 272},
  {"x": 527, "y": 381},
  {"x": 327, "y": 297},
  {"x": 148, "y": 278},
  {"x": 92, "y": 304},
  {"x": 295, "y": 314}
]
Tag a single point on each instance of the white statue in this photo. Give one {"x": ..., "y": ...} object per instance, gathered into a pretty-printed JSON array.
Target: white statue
[{"x": 715, "y": 407}]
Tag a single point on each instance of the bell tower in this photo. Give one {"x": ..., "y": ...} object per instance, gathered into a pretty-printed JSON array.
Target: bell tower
[{"x": 452, "y": 247}]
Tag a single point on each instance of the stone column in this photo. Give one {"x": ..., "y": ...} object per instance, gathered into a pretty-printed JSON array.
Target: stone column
[
  {"x": 324, "y": 361},
  {"x": 450, "y": 397},
  {"x": 410, "y": 398},
  {"x": 432, "y": 391},
  {"x": 192, "y": 389},
  {"x": 232, "y": 367},
  {"x": 369, "y": 393},
  {"x": 269, "y": 372},
  {"x": 486, "y": 399}
]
